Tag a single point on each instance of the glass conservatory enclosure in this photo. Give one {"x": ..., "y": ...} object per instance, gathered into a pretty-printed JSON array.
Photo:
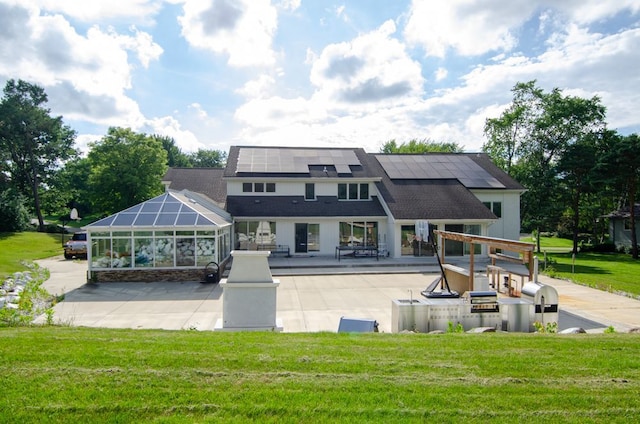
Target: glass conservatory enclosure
[{"x": 173, "y": 230}]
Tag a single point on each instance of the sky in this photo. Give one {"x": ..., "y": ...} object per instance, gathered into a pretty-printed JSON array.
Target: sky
[{"x": 312, "y": 73}]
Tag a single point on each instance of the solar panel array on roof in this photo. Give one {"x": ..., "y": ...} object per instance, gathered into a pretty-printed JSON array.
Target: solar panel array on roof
[
  {"x": 438, "y": 167},
  {"x": 297, "y": 161}
]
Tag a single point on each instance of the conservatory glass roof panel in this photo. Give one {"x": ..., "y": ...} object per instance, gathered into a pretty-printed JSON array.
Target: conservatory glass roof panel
[
  {"x": 187, "y": 218},
  {"x": 124, "y": 219},
  {"x": 145, "y": 219},
  {"x": 166, "y": 220},
  {"x": 167, "y": 210}
]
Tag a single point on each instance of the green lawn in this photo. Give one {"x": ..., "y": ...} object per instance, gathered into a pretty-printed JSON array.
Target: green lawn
[
  {"x": 606, "y": 271},
  {"x": 26, "y": 246},
  {"x": 551, "y": 243},
  {"x": 63, "y": 374},
  {"x": 613, "y": 272}
]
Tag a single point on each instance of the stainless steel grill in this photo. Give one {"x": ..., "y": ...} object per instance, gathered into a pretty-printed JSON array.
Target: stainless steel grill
[{"x": 482, "y": 301}]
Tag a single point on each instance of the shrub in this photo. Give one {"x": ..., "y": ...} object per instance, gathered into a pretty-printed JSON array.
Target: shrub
[
  {"x": 14, "y": 215},
  {"x": 551, "y": 327}
]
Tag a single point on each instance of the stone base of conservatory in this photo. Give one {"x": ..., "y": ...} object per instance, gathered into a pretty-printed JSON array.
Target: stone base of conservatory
[{"x": 146, "y": 275}]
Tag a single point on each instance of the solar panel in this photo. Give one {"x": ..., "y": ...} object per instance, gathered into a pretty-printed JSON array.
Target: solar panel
[
  {"x": 282, "y": 160},
  {"x": 433, "y": 167}
]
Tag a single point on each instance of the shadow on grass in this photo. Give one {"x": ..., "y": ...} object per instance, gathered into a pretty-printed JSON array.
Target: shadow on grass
[{"x": 566, "y": 268}]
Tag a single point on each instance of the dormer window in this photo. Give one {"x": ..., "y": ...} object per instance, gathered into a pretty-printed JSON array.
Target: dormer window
[
  {"x": 353, "y": 191},
  {"x": 309, "y": 191},
  {"x": 258, "y": 187}
]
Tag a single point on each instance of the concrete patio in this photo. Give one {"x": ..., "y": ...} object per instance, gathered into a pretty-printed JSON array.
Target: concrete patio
[{"x": 314, "y": 293}]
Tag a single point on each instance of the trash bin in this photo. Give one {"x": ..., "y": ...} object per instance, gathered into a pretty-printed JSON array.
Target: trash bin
[{"x": 212, "y": 273}]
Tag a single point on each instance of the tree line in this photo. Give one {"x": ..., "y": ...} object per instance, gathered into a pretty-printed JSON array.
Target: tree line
[{"x": 42, "y": 172}]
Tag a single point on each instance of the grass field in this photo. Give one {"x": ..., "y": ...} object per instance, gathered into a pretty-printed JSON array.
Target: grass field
[
  {"x": 606, "y": 271},
  {"x": 26, "y": 246},
  {"x": 614, "y": 272},
  {"x": 61, "y": 374},
  {"x": 551, "y": 244}
]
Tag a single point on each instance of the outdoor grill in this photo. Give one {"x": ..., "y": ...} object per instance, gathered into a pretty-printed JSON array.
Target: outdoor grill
[
  {"x": 545, "y": 300},
  {"x": 482, "y": 301}
]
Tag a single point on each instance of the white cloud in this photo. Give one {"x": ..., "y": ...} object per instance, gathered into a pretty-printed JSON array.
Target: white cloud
[
  {"x": 441, "y": 73},
  {"x": 243, "y": 30},
  {"x": 476, "y": 27},
  {"x": 372, "y": 68},
  {"x": 257, "y": 88},
  {"x": 290, "y": 5},
  {"x": 471, "y": 27},
  {"x": 341, "y": 14},
  {"x": 86, "y": 77},
  {"x": 588, "y": 11},
  {"x": 170, "y": 127},
  {"x": 363, "y": 89},
  {"x": 99, "y": 10}
]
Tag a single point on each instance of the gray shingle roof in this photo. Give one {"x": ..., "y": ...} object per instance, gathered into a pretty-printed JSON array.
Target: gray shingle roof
[
  {"x": 296, "y": 206},
  {"x": 207, "y": 181},
  {"x": 432, "y": 199}
]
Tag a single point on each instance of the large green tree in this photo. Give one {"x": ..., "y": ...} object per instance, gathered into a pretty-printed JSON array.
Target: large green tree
[
  {"x": 530, "y": 139},
  {"x": 620, "y": 167},
  {"x": 70, "y": 189},
  {"x": 175, "y": 157},
  {"x": 126, "y": 169},
  {"x": 577, "y": 171},
  {"x": 202, "y": 158},
  {"x": 208, "y": 158},
  {"x": 33, "y": 144},
  {"x": 420, "y": 146}
]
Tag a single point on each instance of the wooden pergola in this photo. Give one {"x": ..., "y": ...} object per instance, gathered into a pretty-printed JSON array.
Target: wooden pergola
[{"x": 523, "y": 249}]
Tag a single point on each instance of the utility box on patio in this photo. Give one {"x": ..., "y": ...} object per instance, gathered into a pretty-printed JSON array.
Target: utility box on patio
[{"x": 249, "y": 294}]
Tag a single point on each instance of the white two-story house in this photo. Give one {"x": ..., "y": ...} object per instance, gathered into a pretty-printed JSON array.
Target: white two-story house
[
  {"x": 305, "y": 201},
  {"x": 315, "y": 199}
]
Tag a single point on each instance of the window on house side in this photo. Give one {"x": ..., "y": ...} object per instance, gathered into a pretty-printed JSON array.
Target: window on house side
[
  {"x": 247, "y": 187},
  {"x": 497, "y": 209},
  {"x": 342, "y": 191},
  {"x": 364, "y": 191},
  {"x": 309, "y": 191},
  {"x": 353, "y": 191},
  {"x": 259, "y": 187},
  {"x": 271, "y": 187}
]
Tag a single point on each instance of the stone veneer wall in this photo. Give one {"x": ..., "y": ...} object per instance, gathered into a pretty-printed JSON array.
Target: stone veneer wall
[{"x": 147, "y": 275}]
